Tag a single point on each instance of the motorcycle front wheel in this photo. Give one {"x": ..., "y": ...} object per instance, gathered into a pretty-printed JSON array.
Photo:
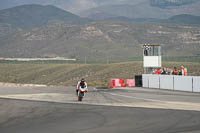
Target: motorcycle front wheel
[{"x": 80, "y": 98}]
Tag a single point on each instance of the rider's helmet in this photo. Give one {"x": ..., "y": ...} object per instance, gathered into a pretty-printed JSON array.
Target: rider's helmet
[
  {"x": 82, "y": 80},
  {"x": 82, "y": 83}
]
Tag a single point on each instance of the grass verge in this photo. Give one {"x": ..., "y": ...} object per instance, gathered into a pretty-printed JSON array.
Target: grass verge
[{"x": 68, "y": 74}]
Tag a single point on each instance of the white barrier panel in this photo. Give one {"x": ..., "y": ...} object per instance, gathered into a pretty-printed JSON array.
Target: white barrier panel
[
  {"x": 167, "y": 82},
  {"x": 154, "y": 81},
  {"x": 196, "y": 84},
  {"x": 172, "y": 82},
  {"x": 183, "y": 83},
  {"x": 145, "y": 80}
]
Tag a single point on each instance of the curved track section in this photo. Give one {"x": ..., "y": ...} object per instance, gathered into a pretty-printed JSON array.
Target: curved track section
[{"x": 27, "y": 114}]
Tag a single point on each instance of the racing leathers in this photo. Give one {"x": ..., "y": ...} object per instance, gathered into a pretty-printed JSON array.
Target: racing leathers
[{"x": 81, "y": 84}]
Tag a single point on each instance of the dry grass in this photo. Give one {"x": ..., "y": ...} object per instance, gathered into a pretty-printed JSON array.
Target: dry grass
[{"x": 69, "y": 74}]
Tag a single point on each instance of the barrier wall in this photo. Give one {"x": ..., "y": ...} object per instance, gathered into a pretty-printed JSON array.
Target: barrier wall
[
  {"x": 172, "y": 82},
  {"x": 167, "y": 82},
  {"x": 154, "y": 81},
  {"x": 130, "y": 82},
  {"x": 183, "y": 83},
  {"x": 145, "y": 80},
  {"x": 196, "y": 84},
  {"x": 117, "y": 83}
]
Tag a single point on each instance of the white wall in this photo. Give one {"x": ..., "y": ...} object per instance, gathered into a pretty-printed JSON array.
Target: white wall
[
  {"x": 167, "y": 82},
  {"x": 172, "y": 82},
  {"x": 145, "y": 80},
  {"x": 154, "y": 81},
  {"x": 183, "y": 83},
  {"x": 196, "y": 84}
]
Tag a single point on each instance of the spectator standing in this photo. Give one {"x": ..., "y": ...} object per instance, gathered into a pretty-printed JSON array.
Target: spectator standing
[
  {"x": 164, "y": 71},
  {"x": 185, "y": 71},
  {"x": 158, "y": 71},
  {"x": 175, "y": 71},
  {"x": 182, "y": 70},
  {"x": 169, "y": 71}
]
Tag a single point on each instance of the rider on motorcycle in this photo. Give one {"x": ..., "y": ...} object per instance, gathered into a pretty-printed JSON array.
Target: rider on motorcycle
[{"x": 81, "y": 84}]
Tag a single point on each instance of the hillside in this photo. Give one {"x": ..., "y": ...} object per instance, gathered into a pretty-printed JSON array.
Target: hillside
[
  {"x": 100, "y": 41},
  {"x": 29, "y": 16},
  {"x": 69, "y": 74}
]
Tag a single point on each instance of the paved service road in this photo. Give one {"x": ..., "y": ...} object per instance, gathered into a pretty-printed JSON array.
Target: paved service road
[{"x": 136, "y": 110}]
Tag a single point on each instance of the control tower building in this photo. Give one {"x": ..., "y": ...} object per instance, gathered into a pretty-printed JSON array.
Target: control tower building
[{"x": 151, "y": 57}]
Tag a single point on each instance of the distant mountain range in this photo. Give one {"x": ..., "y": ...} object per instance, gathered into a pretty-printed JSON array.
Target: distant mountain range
[
  {"x": 74, "y": 6},
  {"x": 47, "y": 31},
  {"x": 171, "y": 3},
  {"x": 160, "y": 9},
  {"x": 183, "y": 19},
  {"x": 177, "y": 19},
  {"x": 29, "y": 16},
  {"x": 144, "y": 10}
]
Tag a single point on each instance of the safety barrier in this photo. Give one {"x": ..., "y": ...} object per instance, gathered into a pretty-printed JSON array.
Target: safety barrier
[
  {"x": 114, "y": 83},
  {"x": 172, "y": 82},
  {"x": 130, "y": 82},
  {"x": 154, "y": 81},
  {"x": 166, "y": 82},
  {"x": 196, "y": 84},
  {"x": 117, "y": 83},
  {"x": 183, "y": 83},
  {"x": 121, "y": 83},
  {"x": 145, "y": 80}
]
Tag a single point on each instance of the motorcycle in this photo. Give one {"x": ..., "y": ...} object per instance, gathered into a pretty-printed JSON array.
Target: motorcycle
[{"x": 81, "y": 93}]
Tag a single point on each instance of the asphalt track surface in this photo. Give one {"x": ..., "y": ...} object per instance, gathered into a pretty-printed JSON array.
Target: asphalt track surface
[{"x": 133, "y": 110}]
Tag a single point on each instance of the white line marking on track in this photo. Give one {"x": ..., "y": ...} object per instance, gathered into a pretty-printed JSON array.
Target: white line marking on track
[{"x": 153, "y": 100}]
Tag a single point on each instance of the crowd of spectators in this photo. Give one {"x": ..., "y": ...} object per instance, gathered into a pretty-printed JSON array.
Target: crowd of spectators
[{"x": 169, "y": 71}]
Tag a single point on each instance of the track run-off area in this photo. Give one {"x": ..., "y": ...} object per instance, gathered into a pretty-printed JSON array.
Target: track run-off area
[{"x": 45, "y": 109}]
